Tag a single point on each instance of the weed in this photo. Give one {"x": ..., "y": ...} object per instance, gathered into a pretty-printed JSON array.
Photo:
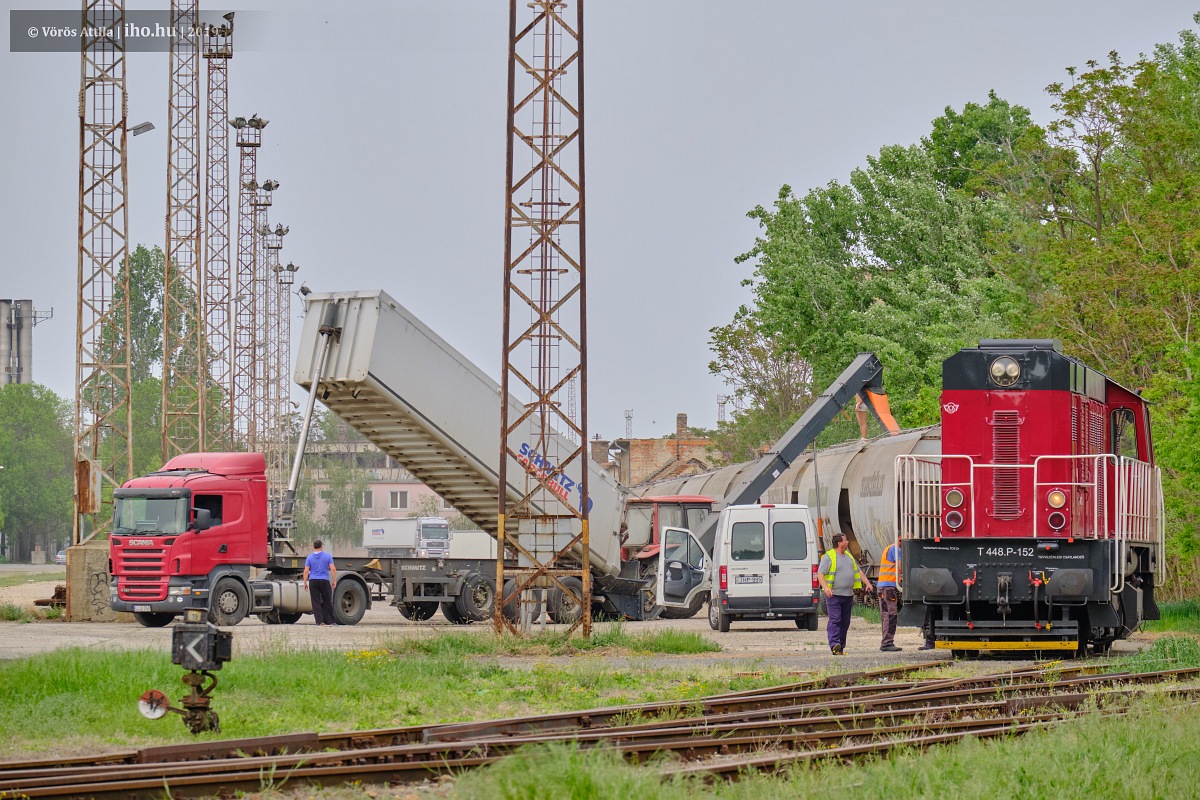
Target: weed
[
  {"x": 11, "y": 612},
  {"x": 52, "y": 612},
  {"x": 1183, "y": 616}
]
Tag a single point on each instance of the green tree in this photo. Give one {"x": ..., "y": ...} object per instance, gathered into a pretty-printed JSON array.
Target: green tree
[{"x": 36, "y": 484}]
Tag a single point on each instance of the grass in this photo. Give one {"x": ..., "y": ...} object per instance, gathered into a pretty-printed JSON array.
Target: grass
[
  {"x": 1182, "y": 616},
  {"x": 612, "y": 636},
  {"x": 1149, "y": 753},
  {"x": 77, "y": 699},
  {"x": 11, "y": 612},
  {"x": 20, "y": 578},
  {"x": 866, "y": 613}
]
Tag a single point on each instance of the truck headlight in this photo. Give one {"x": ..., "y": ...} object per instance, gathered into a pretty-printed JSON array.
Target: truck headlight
[{"x": 178, "y": 590}]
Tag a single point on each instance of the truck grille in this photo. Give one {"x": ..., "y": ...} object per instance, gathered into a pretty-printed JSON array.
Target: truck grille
[{"x": 141, "y": 573}]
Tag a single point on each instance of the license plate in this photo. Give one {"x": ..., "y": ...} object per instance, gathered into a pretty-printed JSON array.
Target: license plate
[
  {"x": 141, "y": 608},
  {"x": 747, "y": 578}
]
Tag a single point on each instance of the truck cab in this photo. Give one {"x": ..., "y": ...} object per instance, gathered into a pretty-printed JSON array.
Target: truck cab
[{"x": 179, "y": 531}]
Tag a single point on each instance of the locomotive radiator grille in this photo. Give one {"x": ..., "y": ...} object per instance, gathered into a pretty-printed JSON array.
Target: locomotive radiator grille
[{"x": 1006, "y": 481}]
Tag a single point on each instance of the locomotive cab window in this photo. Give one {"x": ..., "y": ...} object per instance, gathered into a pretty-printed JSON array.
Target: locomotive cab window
[{"x": 1124, "y": 433}]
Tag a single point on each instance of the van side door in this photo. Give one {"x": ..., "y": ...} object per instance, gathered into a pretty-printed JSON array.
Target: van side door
[{"x": 791, "y": 563}]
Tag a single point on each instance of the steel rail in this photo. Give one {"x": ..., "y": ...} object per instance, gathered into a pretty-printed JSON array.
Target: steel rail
[{"x": 419, "y": 759}]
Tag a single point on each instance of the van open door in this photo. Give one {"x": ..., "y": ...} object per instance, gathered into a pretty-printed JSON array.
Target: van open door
[{"x": 683, "y": 569}]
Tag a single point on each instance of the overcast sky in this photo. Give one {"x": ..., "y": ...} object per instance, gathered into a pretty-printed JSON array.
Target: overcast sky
[{"x": 387, "y": 135}]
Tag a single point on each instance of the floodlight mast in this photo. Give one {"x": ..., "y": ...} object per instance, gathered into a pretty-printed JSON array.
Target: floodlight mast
[
  {"x": 244, "y": 433},
  {"x": 544, "y": 331},
  {"x": 218, "y": 279},
  {"x": 103, "y": 414},
  {"x": 185, "y": 371}
]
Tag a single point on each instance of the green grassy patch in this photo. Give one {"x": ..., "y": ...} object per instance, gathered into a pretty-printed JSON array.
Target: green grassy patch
[
  {"x": 11, "y": 612},
  {"x": 866, "y": 613},
  {"x": 608, "y": 638},
  {"x": 1088, "y": 757},
  {"x": 21, "y": 578},
  {"x": 1183, "y": 616},
  {"x": 87, "y": 699}
]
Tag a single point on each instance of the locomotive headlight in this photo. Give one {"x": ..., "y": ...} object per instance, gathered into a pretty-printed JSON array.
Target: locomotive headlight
[
  {"x": 954, "y": 498},
  {"x": 1004, "y": 371},
  {"x": 1057, "y": 520},
  {"x": 1057, "y": 498},
  {"x": 954, "y": 519}
]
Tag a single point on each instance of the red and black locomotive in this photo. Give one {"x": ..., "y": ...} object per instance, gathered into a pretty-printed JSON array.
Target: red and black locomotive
[{"x": 1039, "y": 527}]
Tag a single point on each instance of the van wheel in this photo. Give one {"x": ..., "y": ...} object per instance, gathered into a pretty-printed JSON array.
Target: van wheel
[
  {"x": 723, "y": 621},
  {"x": 807, "y": 622},
  {"x": 476, "y": 600},
  {"x": 713, "y": 613},
  {"x": 153, "y": 619},
  {"x": 229, "y": 602},
  {"x": 349, "y": 602},
  {"x": 451, "y": 612}
]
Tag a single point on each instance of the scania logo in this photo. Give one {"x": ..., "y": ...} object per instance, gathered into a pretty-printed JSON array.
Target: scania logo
[
  {"x": 141, "y": 541},
  {"x": 950, "y": 408}
]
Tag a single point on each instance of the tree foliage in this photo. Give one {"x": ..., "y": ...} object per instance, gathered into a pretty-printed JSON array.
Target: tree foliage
[{"x": 36, "y": 450}]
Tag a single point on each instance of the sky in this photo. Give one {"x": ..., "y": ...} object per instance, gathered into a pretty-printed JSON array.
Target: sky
[{"x": 387, "y": 134}]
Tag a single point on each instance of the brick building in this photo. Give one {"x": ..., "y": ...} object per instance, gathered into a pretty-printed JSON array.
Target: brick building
[{"x": 635, "y": 461}]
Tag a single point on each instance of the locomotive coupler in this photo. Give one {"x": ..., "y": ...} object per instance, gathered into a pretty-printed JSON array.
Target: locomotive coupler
[{"x": 1003, "y": 601}]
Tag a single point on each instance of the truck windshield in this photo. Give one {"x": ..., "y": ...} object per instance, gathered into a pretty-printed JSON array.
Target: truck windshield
[
  {"x": 436, "y": 532},
  {"x": 150, "y": 515}
]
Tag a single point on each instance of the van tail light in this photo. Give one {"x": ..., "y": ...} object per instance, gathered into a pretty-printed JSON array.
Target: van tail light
[
  {"x": 724, "y": 578},
  {"x": 816, "y": 583}
]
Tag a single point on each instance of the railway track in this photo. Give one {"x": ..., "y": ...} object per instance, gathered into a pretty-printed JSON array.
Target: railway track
[{"x": 766, "y": 729}]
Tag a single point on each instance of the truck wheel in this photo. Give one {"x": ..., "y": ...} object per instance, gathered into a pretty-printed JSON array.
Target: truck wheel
[
  {"x": 153, "y": 619},
  {"x": 476, "y": 600},
  {"x": 229, "y": 602},
  {"x": 563, "y": 609},
  {"x": 451, "y": 612},
  {"x": 349, "y": 602},
  {"x": 417, "y": 612}
]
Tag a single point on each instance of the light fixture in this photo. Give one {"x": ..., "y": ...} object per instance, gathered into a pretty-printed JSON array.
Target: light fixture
[
  {"x": 1057, "y": 520},
  {"x": 239, "y": 122},
  {"x": 954, "y": 498},
  {"x": 1004, "y": 371},
  {"x": 1057, "y": 498},
  {"x": 954, "y": 520},
  {"x": 139, "y": 129}
]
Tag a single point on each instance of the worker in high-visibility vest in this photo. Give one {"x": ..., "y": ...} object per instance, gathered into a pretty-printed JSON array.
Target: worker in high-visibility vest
[
  {"x": 839, "y": 576},
  {"x": 889, "y": 598}
]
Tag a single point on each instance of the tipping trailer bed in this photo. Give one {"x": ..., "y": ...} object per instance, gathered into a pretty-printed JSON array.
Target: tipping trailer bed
[{"x": 426, "y": 405}]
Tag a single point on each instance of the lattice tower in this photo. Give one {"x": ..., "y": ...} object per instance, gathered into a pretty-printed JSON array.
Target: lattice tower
[
  {"x": 545, "y": 331},
  {"x": 286, "y": 276},
  {"x": 103, "y": 422},
  {"x": 217, "y": 49},
  {"x": 241, "y": 380},
  {"x": 184, "y": 416},
  {"x": 277, "y": 462},
  {"x": 262, "y": 407}
]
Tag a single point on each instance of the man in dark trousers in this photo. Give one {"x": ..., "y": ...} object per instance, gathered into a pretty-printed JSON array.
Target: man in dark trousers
[
  {"x": 839, "y": 576},
  {"x": 319, "y": 577}
]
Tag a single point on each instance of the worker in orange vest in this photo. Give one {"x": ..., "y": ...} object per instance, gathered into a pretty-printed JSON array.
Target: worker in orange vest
[{"x": 889, "y": 598}]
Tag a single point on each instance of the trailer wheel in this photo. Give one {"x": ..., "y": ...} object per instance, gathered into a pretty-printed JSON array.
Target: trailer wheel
[
  {"x": 562, "y": 608},
  {"x": 476, "y": 600},
  {"x": 451, "y": 613},
  {"x": 153, "y": 619},
  {"x": 229, "y": 602},
  {"x": 349, "y": 602},
  {"x": 417, "y": 612},
  {"x": 512, "y": 611},
  {"x": 280, "y": 617}
]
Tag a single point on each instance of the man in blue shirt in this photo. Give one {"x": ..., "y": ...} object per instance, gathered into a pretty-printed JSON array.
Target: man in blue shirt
[{"x": 319, "y": 576}]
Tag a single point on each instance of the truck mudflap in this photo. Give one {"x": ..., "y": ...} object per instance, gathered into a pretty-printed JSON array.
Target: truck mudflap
[{"x": 996, "y": 636}]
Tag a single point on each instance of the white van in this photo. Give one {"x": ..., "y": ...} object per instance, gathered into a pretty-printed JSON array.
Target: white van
[{"x": 765, "y": 561}]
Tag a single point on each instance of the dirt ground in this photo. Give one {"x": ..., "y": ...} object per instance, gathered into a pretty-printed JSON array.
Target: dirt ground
[{"x": 748, "y": 646}]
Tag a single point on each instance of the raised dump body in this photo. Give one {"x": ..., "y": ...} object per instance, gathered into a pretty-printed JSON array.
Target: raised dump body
[{"x": 426, "y": 405}]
